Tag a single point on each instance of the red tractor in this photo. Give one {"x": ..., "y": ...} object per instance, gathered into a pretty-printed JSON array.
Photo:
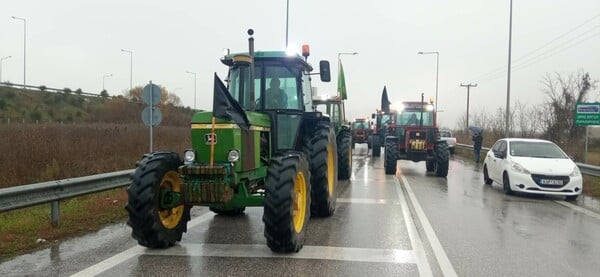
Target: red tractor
[
  {"x": 382, "y": 121},
  {"x": 360, "y": 131},
  {"x": 413, "y": 135}
]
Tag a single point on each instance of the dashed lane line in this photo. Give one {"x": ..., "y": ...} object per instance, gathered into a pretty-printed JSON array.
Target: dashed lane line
[{"x": 365, "y": 201}]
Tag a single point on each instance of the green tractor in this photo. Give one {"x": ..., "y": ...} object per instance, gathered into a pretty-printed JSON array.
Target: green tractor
[
  {"x": 334, "y": 107},
  {"x": 261, "y": 146}
]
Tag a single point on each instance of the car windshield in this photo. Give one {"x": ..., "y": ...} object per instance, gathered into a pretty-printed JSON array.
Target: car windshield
[{"x": 536, "y": 150}]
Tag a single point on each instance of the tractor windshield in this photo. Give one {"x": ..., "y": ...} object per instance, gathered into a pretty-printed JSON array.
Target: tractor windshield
[
  {"x": 276, "y": 86},
  {"x": 359, "y": 125},
  {"x": 413, "y": 118}
]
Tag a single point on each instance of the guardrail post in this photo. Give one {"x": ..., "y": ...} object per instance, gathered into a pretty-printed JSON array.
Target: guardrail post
[{"x": 55, "y": 213}]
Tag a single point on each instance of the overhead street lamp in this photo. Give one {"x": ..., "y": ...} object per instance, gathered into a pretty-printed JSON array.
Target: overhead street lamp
[
  {"x": 194, "y": 73},
  {"x": 24, "y": 49},
  {"x": 2, "y": 60},
  {"x": 104, "y": 78},
  {"x": 130, "y": 67},
  {"x": 437, "y": 70}
]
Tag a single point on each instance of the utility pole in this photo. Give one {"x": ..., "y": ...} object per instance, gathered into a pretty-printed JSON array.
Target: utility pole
[
  {"x": 468, "y": 86},
  {"x": 507, "y": 131}
]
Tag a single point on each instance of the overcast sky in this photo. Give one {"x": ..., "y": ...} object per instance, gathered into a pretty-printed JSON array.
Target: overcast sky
[{"x": 75, "y": 43}]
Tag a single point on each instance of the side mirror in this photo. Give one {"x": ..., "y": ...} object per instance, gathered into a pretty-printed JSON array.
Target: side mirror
[
  {"x": 499, "y": 155},
  {"x": 372, "y": 116},
  {"x": 324, "y": 71}
]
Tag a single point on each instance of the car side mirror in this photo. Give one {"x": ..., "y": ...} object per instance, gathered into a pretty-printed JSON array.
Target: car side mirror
[{"x": 499, "y": 155}]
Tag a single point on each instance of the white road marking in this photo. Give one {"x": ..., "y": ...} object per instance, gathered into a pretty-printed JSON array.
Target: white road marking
[
  {"x": 365, "y": 201},
  {"x": 422, "y": 263},
  {"x": 308, "y": 252},
  {"x": 579, "y": 209},
  {"x": 438, "y": 250},
  {"x": 131, "y": 252}
]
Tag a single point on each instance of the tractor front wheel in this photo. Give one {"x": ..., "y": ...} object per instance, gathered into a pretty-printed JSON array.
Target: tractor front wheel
[
  {"x": 442, "y": 159},
  {"x": 322, "y": 149},
  {"x": 287, "y": 202},
  {"x": 345, "y": 146},
  {"x": 376, "y": 151},
  {"x": 391, "y": 157},
  {"x": 155, "y": 222}
]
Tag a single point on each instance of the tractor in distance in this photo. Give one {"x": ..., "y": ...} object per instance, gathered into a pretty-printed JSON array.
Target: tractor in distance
[
  {"x": 361, "y": 131},
  {"x": 382, "y": 119},
  {"x": 334, "y": 107},
  {"x": 263, "y": 145},
  {"x": 413, "y": 135}
]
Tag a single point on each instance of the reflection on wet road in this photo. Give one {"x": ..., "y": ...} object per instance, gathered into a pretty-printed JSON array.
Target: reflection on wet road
[{"x": 411, "y": 224}]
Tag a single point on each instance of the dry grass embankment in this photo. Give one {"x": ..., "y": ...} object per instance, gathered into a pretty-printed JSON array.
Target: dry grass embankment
[{"x": 36, "y": 153}]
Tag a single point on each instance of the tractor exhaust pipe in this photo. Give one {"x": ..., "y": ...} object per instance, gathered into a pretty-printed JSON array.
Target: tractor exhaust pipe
[{"x": 251, "y": 54}]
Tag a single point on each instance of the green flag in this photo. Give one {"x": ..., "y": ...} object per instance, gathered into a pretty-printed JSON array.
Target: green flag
[{"x": 342, "y": 83}]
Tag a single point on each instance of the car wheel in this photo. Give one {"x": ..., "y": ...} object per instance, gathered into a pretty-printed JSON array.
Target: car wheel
[
  {"x": 506, "y": 184},
  {"x": 486, "y": 176}
]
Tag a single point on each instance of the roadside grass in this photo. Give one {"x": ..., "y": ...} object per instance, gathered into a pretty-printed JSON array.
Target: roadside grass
[{"x": 22, "y": 228}]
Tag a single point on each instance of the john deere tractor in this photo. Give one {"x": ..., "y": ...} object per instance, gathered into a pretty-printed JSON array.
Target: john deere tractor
[
  {"x": 334, "y": 107},
  {"x": 413, "y": 135},
  {"x": 255, "y": 149}
]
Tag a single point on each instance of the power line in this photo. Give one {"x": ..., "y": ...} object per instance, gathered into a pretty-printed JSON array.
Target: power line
[{"x": 503, "y": 68}]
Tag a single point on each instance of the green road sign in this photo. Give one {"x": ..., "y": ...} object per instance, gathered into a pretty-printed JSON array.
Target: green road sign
[{"x": 587, "y": 114}]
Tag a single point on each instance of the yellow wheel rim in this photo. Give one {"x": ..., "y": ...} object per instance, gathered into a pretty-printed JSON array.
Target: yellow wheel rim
[
  {"x": 330, "y": 169},
  {"x": 171, "y": 217},
  {"x": 299, "y": 212}
]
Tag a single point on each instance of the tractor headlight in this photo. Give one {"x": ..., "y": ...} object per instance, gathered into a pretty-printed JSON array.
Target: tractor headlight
[
  {"x": 233, "y": 155},
  {"x": 189, "y": 156}
]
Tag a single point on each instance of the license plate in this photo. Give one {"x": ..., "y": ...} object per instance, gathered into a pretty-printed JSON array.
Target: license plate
[{"x": 551, "y": 182}]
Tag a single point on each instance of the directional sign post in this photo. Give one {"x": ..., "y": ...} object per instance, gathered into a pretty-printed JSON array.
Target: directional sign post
[
  {"x": 587, "y": 114},
  {"x": 151, "y": 115}
]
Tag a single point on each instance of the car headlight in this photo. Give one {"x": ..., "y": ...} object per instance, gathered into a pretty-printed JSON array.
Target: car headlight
[
  {"x": 233, "y": 155},
  {"x": 576, "y": 172},
  {"x": 189, "y": 156},
  {"x": 519, "y": 168}
]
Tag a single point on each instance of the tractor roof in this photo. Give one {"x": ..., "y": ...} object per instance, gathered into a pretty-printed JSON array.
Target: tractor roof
[{"x": 269, "y": 55}]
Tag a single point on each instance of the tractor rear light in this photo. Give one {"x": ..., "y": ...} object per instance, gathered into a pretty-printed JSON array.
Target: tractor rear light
[
  {"x": 233, "y": 155},
  {"x": 189, "y": 156}
]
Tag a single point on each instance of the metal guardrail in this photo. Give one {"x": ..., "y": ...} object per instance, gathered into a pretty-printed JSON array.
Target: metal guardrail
[
  {"x": 52, "y": 192},
  {"x": 587, "y": 169}
]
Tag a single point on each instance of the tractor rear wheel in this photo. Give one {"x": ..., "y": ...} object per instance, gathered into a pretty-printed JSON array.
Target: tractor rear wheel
[
  {"x": 152, "y": 225},
  {"x": 391, "y": 157},
  {"x": 376, "y": 151},
  {"x": 442, "y": 159},
  {"x": 321, "y": 145},
  {"x": 287, "y": 202},
  {"x": 345, "y": 146}
]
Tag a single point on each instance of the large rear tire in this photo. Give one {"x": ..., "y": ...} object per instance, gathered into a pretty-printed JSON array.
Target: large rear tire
[
  {"x": 287, "y": 202},
  {"x": 321, "y": 145},
  {"x": 442, "y": 159},
  {"x": 376, "y": 151},
  {"x": 153, "y": 226},
  {"x": 344, "y": 144},
  {"x": 391, "y": 157}
]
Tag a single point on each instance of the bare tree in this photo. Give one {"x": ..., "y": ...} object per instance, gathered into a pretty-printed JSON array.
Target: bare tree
[{"x": 563, "y": 93}]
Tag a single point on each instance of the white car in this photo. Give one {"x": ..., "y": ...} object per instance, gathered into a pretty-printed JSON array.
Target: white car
[
  {"x": 532, "y": 166},
  {"x": 447, "y": 136}
]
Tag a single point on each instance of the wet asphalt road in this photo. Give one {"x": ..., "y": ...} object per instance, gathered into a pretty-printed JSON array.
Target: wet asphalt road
[{"x": 411, "y": 224}]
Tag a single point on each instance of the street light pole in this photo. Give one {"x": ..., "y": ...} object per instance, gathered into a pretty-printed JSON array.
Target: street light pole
[
  {"x": 103, "y": 78},
  {"x": 468, "y": 86},
  {"x": 2, "y": 60},
  {"x": 194, "y": 87},
  {"x": 287, "y": 19},
  {"x": 437, "y": 70},
  {"x": 130, "y": 67},
  {"x": 507, "y": 131},
  {"x": 24, "y": 49}
]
